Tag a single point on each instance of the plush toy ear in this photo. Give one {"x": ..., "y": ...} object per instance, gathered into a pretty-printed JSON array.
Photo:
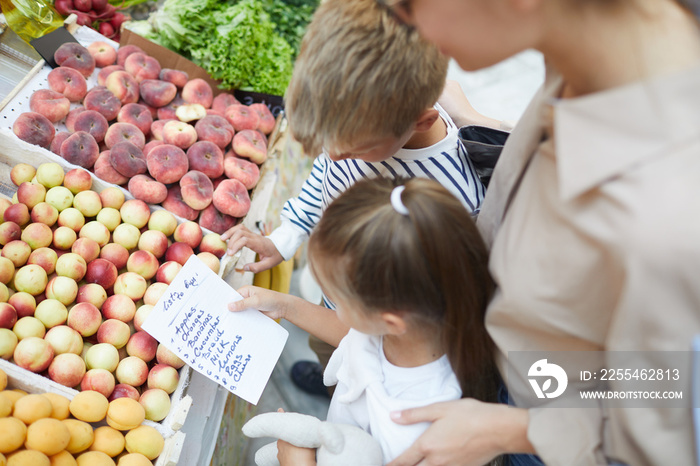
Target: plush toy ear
[
  {"x": 298, "y": 429},
  {"x": 332, "y": 438}
]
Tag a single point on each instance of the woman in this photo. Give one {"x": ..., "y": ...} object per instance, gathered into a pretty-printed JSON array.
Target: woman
[{"x": 591, "y": 217}]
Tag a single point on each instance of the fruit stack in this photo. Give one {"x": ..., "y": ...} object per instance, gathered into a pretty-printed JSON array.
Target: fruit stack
[
  {"x": 49, "y": 429},
  {"x": 79, "y": 273},
  {"x": 164, "y": 137}
]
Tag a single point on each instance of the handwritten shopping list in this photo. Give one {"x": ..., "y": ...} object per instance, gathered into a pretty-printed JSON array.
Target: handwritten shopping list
[{"x": 238, "y": 350}]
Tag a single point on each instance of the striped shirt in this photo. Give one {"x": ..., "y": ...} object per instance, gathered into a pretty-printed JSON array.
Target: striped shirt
[{"x": 445, "y": 162}]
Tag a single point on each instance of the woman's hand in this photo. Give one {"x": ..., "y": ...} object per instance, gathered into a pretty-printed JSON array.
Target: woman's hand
[
  {"x": 464, "y": 432},
  {"x": 239, "y": 237},
  {"x": 288, "y": 454},
  {"x": 273, "y": 304}
]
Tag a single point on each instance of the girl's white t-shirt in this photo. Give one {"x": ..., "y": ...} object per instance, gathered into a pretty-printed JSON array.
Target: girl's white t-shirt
[{"x": 369, "y": 388}]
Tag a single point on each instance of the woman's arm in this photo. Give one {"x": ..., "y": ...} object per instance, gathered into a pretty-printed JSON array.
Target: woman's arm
[
  {"x": 317, "y": 320},
  {"x": 456, "y": 104},
  {"x": 464, "y": 432}
]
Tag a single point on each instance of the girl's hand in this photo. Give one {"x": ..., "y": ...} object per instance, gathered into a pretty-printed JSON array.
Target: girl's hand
[
  {"x": 273, "y": 304},
  {"x": 288, "y": 454},
  {"x": 464, "y": 432},
  {"x": 239, "y": 237}
]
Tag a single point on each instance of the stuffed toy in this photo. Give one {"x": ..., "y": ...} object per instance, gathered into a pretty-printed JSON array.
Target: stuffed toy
[{"x": 335, "y": 444}]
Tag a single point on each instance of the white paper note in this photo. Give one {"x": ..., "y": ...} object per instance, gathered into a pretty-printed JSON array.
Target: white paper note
[{"x": 238, "y": 350}]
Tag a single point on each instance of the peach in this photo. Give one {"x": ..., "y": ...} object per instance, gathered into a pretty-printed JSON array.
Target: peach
[
  {"x": 31, "y": 279},
  {"x": 101, "y": 272},
  {"x": 154, "y": 291},
  {"x": 95, "y": 231},
  {"x": 163, "y": 221},
  {"x": 106, "y": 71},
  {"x": 189, "y": 233},
  {"x": 165, "y": 356},
  {"x": 153, "y": 241},
  {"x": 231, "y": 198},
  {"x": 64, "y": 238},
  {"x": 169, "y": 112},
  {"x": 122, "y": 390},
  {"x": 103, "y": 101},
  {"x": 143, "y": 263},
  {"x": 91, "y": 122},
  {"x": 206, "y": 157},
  {"x": 242, "y": 170},
  {"x": 142, "y": 345},
  {"x": 77, "y": 180},
  {"x": 50, "y": 174},
  {"x": 34, "y": 128},
  {"x": 4, "y": 204},
  {"x": 127, "y": 159},
  {"x": 135, "y": 212},
  {"x": 242, "y": 117},
  {"x": 150, "y": 145},
  {"x": 30, "y": 194},
  {"x": 175, "y": 204},
  {"x": 142, "y": 66},
  {"x": 177, "y": 77},
  {"x": 147, "y": 189},
  {"x": 116, "y": 254},
  {"x": 8, "y": 342},
  {"x": 17, "y": 251},
  {"x": 213, "y": 243},
  {"x": 112, "y": 197},
  {"x": 210, "y": 260},
  {"x": 80, "y": 148},
  {"x": 5, "y": 293},
  {"x": 45, "y": 258},
  {"x": 21, "y": 173},
  {"x": 71, "y": 218},
  {"x": 222, "y": 101},
  {"x": 58, "y": 139},
  {"x": 198, "y": 91},
  {"x": 69, "y": 82},
  {"x": 132, "y": 371},
  {"x": 9, "y": 231},
  {"x": 157, "y": 129},
  {"x": 167, "y": 163},
  {"x": 53, "y": 105},
  {"x": 167, "y": 271},
  {"x": 103, "y": 53},
  {"x": 72, "y": 115},
  {"x": 179, "y": 133},
  {"x": 74, "y": 55},
  {"x": 88, "y": 203},
  {"x": 104, "y": 170},
  {"x": 190, "y": 112},
  {"x": 109, "y": 217},
  {"x": 115, "y": 332},
  {"x": 136, "y": 114},
  {"x": 157, "y": 93},
  {"x": 62, "y": 289},
  {"x": 218, "y": 222},
  {"x": 130, "y": 284},
  {"x": 8, "y": 315},
  {"x": 60, "y": 197},
  {"x": 249, "y": 144},
  {"x": 119, "y": 132},
  {"x": 23, "y": 303},
  {"x": 92, "y": 293},
  {"x": 102, "y": 356},
  {"x": 267, "y": 120},
  {"x": 197, "y": 189},
  {"x": 51, "y": 313},
  {"x": 127, "y": 235},
  {"x": 124, "y": 86},
  {"x": 215, "y": 129},
  {"x": 99, "y": 380},
  {"x": 179, "y": 252},
  {"x": 7, "y": 270},
  {"x": 120, "y": 307},
  {"x": 64, "y": 339},
  {"x": 156, "y": 403},
  {"x": 68, "y": 369},
  {"x": 29, "y": 327},
  {"x": 84, "y": 318},
  {"x": 34, "y": 354},
  {"x": 87, "y": 248},
  {"x": 163, "y": 376},
  {"x": 126, "y": 50}
]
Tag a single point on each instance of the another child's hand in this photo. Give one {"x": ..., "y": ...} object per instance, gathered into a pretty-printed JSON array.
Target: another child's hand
[
  {"x": 271, "y": 303},
  {"x": 239, "y": 236},
  {"x": 288, "y": 454}
]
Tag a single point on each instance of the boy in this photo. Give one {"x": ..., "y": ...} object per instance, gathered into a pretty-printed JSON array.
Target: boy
[{"x": 364, "y": 95}]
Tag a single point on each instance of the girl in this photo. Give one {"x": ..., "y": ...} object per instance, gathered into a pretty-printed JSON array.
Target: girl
[{"x": 407, "y": 268}]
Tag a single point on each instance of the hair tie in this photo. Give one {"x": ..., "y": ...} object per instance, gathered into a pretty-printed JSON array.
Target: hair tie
[{"x": 396, "y": 202}]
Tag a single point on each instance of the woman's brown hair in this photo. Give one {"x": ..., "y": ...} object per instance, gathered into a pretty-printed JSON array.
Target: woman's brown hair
[{"x": 431, "y": 264}]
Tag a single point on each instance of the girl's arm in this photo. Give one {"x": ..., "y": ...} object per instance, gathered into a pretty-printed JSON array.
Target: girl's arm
[
  {"x": 289, "y": 455},
  {"x": 317, "y": 320},
  {"x": 464, "y": 432},
  {"x": 456, "y": 104}
]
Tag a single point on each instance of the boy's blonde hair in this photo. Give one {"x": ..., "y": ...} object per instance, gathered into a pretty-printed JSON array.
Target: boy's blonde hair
[{"x": 360, "y": 74}]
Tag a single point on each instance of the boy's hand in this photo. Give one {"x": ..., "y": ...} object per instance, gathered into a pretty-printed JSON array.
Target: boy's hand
[
  {"x": 239, "y": 236},
  {"x": 271, "y": 303}
]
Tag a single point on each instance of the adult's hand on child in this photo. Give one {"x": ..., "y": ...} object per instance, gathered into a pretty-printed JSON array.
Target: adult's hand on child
[
  {"x": 240, "y": 236},
  {"x": 458, "y": 107},
  {"x": 288, "y": 454},
  {"x": 273, "y": 304},
  {"x": 464, "y": 432}
]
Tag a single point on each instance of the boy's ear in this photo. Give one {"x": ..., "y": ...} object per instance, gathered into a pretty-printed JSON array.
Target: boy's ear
[
  {"x": 395, "y": 324},
  {"x": 426, "y": 120}
]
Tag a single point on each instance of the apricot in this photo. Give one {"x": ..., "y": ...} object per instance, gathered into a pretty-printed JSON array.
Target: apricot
[
  {"x": 14, "y": 432},
  {"x": 31, "y": 408},
  {"x": 95, "y": 458},
  {"x": 49, "y": 436},
  {"x": 89, "y": 406},
  {"x": 145, "y": 440},
  {"x": 59, "y": 405},
  {"x": 108, "y": 440},
  {"x": 81, "y": 435},
  {"x": 125, "y": 414}
]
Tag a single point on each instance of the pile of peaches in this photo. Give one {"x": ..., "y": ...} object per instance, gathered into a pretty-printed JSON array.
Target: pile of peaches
[
  {"x": 49, "y": 429},
  {"x": 79, "y": 273},
  {"x": 164, "y": 137}
]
